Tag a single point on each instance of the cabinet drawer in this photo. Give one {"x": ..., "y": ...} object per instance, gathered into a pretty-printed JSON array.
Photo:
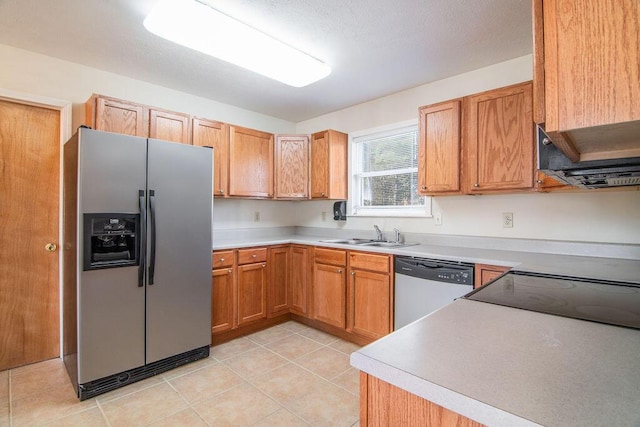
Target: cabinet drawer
[
  {"x": 366, "y": 261},
  {"x": 249, "y": 256},
  {"x": 331, "y": 256},
  {"x": 222, "y": 259}
]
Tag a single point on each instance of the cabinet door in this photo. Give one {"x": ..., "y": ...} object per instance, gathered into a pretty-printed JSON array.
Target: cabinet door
[
  {"x": 499, "y": 139},
  {"x": 208, "y": 133},
  {"x": 299, "y": 279},
  {"x": 485, "y": 273},
  {"x": 250, "y": 163},
  {"x": 278, "y": 286},
  {"x": 222, "y": 300},
  {"x": 329, "y": 294},
  {"x": 292, "y": 166},
  {"x": 114, "y": 115},
  {"x": 329, "y": 165},
  {"x": 252, "y": 292},
  {"x": 169, "y": 126},
  {"x": 369, "y": 304},
  {"x": 545, "y": 183},
  {"x": 439, "y": 150}
]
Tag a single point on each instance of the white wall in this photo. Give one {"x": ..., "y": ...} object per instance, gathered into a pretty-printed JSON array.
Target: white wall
[
  {"x": 599, "y": 217},
  {"x": 32, "y": 73},
  {"x": 611, "y": 216}
]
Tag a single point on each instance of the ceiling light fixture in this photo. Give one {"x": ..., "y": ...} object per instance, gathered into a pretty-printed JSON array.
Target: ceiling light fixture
[{"x": 200, "y": 27}]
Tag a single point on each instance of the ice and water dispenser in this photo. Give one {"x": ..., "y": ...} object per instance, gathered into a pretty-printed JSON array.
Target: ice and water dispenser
[{"x": 111, "y": 240}]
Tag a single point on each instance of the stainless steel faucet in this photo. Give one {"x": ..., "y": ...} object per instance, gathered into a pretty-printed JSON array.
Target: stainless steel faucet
[
  {"x": 379, "y": 233},
  {"x": 397, "y": 235}
]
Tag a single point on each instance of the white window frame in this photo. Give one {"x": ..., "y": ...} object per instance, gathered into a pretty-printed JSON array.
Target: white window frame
[{"x": 355, "y": 174}]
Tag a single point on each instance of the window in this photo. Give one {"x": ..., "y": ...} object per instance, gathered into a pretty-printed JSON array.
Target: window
[{"x": 385, "y": 172}]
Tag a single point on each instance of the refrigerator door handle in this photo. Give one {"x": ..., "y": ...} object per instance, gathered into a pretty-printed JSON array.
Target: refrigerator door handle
[
  {"x": 143, "y": 237},
  {"x": 152, "y": 248}
]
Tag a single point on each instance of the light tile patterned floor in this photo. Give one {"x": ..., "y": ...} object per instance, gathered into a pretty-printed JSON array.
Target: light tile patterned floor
[{"x": 287, "y": 375}]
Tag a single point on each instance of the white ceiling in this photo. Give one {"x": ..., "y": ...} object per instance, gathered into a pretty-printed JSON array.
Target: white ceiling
[{"x": 375, "y": 47}]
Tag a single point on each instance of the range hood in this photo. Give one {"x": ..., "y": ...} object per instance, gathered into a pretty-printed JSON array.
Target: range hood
[{"x": 586, "y": 174}]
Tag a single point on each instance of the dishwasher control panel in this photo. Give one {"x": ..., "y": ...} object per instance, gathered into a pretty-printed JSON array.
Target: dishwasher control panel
[{"x": 438, "y": 270}]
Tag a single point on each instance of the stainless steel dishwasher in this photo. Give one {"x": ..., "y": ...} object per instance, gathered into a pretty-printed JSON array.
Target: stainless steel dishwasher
[{"x": 423, "y": 286}]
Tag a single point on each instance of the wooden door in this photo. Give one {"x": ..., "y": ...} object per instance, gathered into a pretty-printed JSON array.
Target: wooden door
[
  {"x": 117, "y": 116},
  {"x": 29, "y": 282},
  {"x": 439, "y": 149},
  {"x": 329, "y": 294},
  {"x": 222, "y": 300},
  {"x": 208, "y": 133},
  {"x": 292, "y": 166},
  {"x": 252, "y": 292},
  {"x": 299, "y": 279},
  {"x": 169, "y": 126},
  {"x": 499, "y": 139},
  {"x": 369, "y": 304},
  {"x": 250, "y": 163},
  {"x": 278, "y": 286}
]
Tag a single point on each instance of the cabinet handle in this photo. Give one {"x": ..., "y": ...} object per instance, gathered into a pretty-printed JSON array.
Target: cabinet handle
[
  {"x": 424, "y": 187},
  {"x": 353, "y": 273},
  {"x": 254, "y": 256},
  {"x": 221, "y": 191},
  {"x": 229, "y": 271},
  {"x": 221, "y": 259},
  {"x": 264, "y": 265},
  {"x": 475, "y": 184},
  {"x": 322, "y": 194},
  {"x": 539, "y": 181},
  {"x": 339, "y": 271}
]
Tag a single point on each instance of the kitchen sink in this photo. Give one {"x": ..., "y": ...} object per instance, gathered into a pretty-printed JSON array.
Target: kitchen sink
[
  {"x": 388, "y": 244},
  {"x": 368, "y": 242},
  {"x": 353, "y": 241}
]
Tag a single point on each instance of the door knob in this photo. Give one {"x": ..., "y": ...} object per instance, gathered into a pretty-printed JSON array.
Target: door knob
[{"x": 50, "y": 247}]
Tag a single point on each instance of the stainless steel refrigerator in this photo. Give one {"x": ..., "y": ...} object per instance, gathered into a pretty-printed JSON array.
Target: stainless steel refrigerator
[{"x": 136, "y": 258}]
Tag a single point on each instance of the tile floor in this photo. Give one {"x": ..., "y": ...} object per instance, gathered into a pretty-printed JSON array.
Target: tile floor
[{"x": 287, "y": 375}]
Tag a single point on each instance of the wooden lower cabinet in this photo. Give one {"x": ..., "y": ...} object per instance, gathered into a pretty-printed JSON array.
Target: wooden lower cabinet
[
  {"x": 329, "y": 294},
  {"x": 299, "y": 280},
  {"x": 485, "y": 273},
  {"x": 383, "y": 404},
  {"x": 279, "y": 280},
  {"x": 370, "y": 295},
  {"x": 252, "y": 292},
  {"x": 329, "y": 287},
  {"x": 222, "y": 300}
]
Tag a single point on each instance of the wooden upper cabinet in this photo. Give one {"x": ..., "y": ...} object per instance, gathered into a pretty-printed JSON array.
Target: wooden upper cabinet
[
  {"x": 128, "y": 118},
  {"x": 169, "y": 126},
  {"x": 292, "y": 166},
  {"x": 329, "y": 165},
  {"x": 439, "y": 149},
  {"x": 586, "y": 74},
  {"x": 118, "y": 116},
  {"x": 499, "y": 139},
  {"x": 250, "y": 163},
  {"x": 209, "y": 133}
]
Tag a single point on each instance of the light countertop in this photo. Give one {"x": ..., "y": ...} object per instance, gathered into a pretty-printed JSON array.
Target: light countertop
[
  {"x": 503, "y": 366},
  {"x": 623, "y": 270}
]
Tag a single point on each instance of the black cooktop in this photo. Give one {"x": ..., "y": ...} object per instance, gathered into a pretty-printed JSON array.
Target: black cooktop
[{"x": 613, "y": 303}]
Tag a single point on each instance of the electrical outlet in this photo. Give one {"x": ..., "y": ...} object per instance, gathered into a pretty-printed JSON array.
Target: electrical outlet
[
  {"x": 256, "y": 216},
  {"x": 324, "y": 216},
  {"x": 438, "y": 218},
  {"x": 507, "y": 219}
]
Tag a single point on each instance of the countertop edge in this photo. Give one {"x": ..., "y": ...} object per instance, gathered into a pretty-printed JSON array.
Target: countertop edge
[{"x": 447, "y": 398}]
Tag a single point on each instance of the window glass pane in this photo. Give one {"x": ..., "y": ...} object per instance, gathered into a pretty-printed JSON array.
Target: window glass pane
[
  {"x": 391, "y": 190},
  {"x": 390, "y": 152}
]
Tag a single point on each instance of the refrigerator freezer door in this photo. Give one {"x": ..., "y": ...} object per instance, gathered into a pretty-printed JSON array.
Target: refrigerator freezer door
[
  {"x": 110, "y": 303},
  {"x": 179, "y": 300}
]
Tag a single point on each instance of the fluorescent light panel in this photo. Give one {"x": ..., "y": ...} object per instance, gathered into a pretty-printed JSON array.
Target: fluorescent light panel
[{"x": 200, "y": 27}]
